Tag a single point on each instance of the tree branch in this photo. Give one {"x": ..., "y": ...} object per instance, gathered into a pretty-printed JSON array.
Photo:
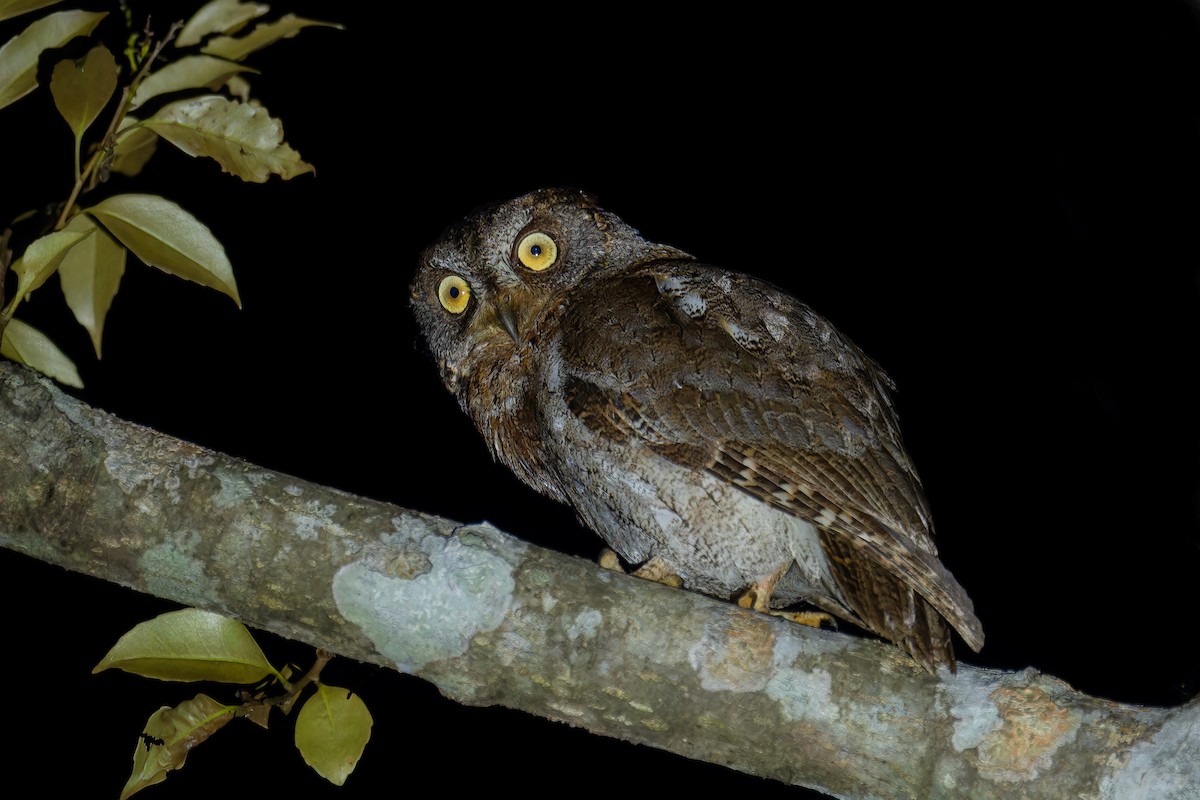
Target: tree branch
[{"x": 492, "y": 620}]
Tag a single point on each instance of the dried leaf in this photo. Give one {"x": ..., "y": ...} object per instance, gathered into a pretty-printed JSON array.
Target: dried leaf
[
  {"x": 190, "y": 72},
  {"x": 241, "y": 137},
  {"x": 332, "y": 730},
  {"x": 219, "y": 16},
  {"x": 19, "y": 55},
  {"x": 163, "y": 235},
  {"x": 134, "y": 147},
  {"x": 27, "y": 345},
  {"x": 82, "y": 88},
  {"x": 189, "y": 645},
  {"x": 169, "y": 735},
  {"x": 15, "y": 8},
  {"x": 259, "y": 714},
  {"x": 263, "y": 34},
  {"x": 90, "y": 275}
]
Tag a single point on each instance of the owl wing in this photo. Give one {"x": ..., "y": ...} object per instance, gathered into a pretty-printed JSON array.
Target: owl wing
[{"x": 717, "y": 371}]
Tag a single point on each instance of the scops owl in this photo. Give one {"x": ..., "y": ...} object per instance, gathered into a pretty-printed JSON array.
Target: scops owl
[{"x": 706, "y": 424}]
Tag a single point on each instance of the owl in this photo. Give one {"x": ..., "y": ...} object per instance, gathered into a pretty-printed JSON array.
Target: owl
[{"x": 713, "y": 430}]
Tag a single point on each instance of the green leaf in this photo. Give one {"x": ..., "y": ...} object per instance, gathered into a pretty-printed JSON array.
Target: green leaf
[
  {"x": 15, "y": 8},
  {"x": 27, "y": 345},
  {"x": 190, "y": 72},
  {"x": 332, "y": 730},
  {"x": 163, "y": 235},
  {"x": 135, "y": 146},
  {"x": 90, "y": 275},
  {"x": 41, "y": 259},
  {"x": 169, "y": 735},
  {"x": 263, "y": 34},
  {"x": 189, "y": 645},
  {"x": 19, "y": 55},
  {"x": 219, "y": 16},
  {"x": 241, "y": 137},
  {"x": 82, "y": 88}
]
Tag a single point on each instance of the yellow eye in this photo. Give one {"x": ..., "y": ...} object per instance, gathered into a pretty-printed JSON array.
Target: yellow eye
[
  {"x": 537, "y": 251},
  {"x": 454, "y": 292}
]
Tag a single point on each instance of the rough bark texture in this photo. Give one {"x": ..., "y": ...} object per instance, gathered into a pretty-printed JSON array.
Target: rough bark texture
[{"x": 492, "y": 620}]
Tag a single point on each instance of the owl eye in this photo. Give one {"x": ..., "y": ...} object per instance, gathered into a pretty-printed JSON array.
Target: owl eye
[
  {"x": 454, "y": 292},
  {"x": 537, "y": 251}
]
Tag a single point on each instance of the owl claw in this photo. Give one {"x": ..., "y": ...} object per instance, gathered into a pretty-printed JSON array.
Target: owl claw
[
  {"x": 758, "y": 598},
  {"x": 609, "y": 560},
  {"x": 814, "y": 619},
  {"x": 657, "y": 570},
  {"x": 653, "y": 570}
]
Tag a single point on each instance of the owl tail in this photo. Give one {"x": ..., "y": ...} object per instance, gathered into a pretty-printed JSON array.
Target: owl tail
[{"x": 887, "y": 602}]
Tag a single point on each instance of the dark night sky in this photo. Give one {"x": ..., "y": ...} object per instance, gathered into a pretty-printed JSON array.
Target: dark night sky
[{"x": 1000, "y": 206}]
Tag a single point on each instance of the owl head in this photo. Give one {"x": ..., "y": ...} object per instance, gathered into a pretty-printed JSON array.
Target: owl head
[{"x": 483, "y": 291}]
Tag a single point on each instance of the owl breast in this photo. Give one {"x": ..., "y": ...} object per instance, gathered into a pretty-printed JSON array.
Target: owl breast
[{"x": 508, "y": 401}]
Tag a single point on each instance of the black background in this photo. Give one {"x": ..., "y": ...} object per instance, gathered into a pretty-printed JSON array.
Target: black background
[{"x": 998, "y": 203}]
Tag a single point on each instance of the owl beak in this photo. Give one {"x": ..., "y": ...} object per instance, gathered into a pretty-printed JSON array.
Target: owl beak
[{"x": 508, "y": 320}]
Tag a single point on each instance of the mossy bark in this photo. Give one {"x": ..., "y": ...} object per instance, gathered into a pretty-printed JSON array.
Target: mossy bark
[{"x": 492, "y": 620}]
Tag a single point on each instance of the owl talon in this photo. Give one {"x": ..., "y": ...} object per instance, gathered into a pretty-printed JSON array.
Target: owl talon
[
  {"x": 653, "y": 570},
  {"x": 657, "y": 570},
  {"x": 758, "y": 596},
  {"x": 814, "y": 619},
  {"x": 751, "y": 599},
  {"x": 609, "y": 560}
]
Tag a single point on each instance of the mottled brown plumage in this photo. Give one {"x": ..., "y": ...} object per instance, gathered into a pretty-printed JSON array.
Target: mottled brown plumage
[{"x": 703, "y": 422}]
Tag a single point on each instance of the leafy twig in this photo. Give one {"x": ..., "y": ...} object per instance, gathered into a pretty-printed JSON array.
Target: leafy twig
[
  {"x": 292, "y": 691},
  {"x": 108, "y": 143}
]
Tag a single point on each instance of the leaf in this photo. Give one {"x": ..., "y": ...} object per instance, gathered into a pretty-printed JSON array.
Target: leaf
[
  {"x": 27, "y": 345},
  {"x": 190, "y": 72},
  {"x": 189, "y": 645},
  {"x": 332, "y": 730},
  {"x": 41, "y": 259},
  {"x": 134, "y": 148},
  {"x": 82, "y": 88},
  {"x": 241, "y": 137},
  {"x": 258, "y": 713},
  {"x": 163, "y": 235},
  {"x": 19, "y": 55},
  {"x": 90, "y": 275},
  {"x": 219, "y": 16},
  {"x": 169, "y": 735},
  {"x": 263, "y": 34},
  {"x": 15, "y": 8},
  {"x": 239, "y": 87}
]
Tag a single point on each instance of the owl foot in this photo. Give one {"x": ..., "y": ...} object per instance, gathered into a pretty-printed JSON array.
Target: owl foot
[
  {"x": 609, "y": 560},
  {"x": 813, "y": 619},
  {"x": 653, "y": 570},
  {"x": 758, "y": 598}
]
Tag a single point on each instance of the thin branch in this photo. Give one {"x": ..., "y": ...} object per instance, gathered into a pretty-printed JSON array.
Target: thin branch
[
  {"x": 104, "y": 152},
  {"x": 5, "y": 260}
]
